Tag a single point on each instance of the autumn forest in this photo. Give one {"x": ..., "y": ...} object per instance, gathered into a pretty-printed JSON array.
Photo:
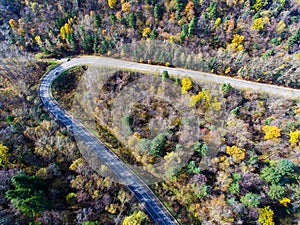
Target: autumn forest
[{"x": 243, "y": 165}]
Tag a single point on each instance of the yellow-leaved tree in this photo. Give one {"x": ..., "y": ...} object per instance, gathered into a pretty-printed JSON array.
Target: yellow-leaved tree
[
  {"x": 65, "y": 30},
  {"x": 126, "y": 7},
  {"x": 38, "y": 40},
  {"x": 266, "y": 216},
  {"x": 280, "y": 26},
  {"x": 236, "y": 153},
  {"x": 186, "y": 85},
  {"x": 271, "y": 132},
  {"x": 236, "y": 43},
  {"x": 112, "y": 3},
  {"x": 285, "y": 201},
  {"x": 78, "y": 165},
  {"x": 146, "y": 32},
  {"x": 3, "y": 155},
  {"x": 205, "y": 95},
  {"x": 294, "y": 137},
  {"x": 260, "y": 23},
  {"x": 13, "y": 24},
  {"x": 137, "y": 218}
]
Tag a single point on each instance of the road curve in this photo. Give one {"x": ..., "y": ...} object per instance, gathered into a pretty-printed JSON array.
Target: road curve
[
  {"x": 208, "y": 77},
  {"x": 152, "y": 205}
]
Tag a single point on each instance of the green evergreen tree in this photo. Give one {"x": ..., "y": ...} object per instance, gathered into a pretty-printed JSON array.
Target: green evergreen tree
[
  {"x": 29, "y": 194},
  {"x": 250, "y": 200},
  {"x": 132, "y": 20},
  {"x": 179, "y": 7},
  {"x": 201, "y": 148},
  {"x": 153, "y": 34},
  {"x": 87, "y": 42},
  {"x": 157, "y": 11},
  {"x": 184, "y": 32},
  {"x": 96, "y": 43},
  {"x": 72, "y": 41},
  {"x": 113, "y": 18},
  {"x": 213, "y": 10},
  {"x": 103, "y": 47},
  {"x": 165, "y": 75},
  {"x": 97, "y": 21},
  {"x": 295, "y": 38},
  {"x": 192, "y": 26},
  {"x": 157, "y": 144}
]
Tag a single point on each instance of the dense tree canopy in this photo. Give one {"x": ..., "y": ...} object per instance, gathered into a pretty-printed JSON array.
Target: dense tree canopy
[
  {"x": 254, "y": 31},
  {"x": 29, "y": 194},
  {"x": 247, "y": 180}
]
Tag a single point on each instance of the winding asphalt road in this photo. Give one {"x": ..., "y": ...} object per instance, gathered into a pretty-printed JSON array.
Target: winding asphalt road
[
  {"x": 152, "y": 205},
  {"x": 208, "y": 77}
]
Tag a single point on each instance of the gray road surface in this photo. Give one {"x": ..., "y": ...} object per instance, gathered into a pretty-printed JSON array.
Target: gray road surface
[
  {"x": 152, "y": 205},
  {"x": 135, "y": 184}
]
